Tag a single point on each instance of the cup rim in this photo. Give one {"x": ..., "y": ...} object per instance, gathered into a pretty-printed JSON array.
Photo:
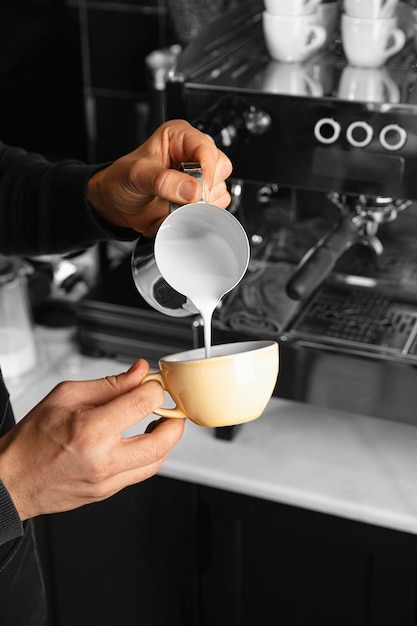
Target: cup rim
[
  {"x": 285, "y": 18},
  {"x": 355, "y": 18},
  {"x": 254, "y": 345}
]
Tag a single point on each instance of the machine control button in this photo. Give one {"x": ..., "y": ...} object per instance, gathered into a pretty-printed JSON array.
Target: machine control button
[
  {"x": 327, "y": 130},
  {"x": 257, "y": 121},
  {"x": 359, "y": 134},
  {"x": 392, "y": 137}
]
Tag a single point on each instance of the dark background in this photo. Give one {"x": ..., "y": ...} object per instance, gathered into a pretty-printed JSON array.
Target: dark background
[
  {"x": 41, "y": 106},
  {"x": 66, "y": 65}
]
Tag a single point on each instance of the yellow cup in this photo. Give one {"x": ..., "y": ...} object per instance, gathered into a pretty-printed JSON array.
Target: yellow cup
[{"x": 233, "y": 386}]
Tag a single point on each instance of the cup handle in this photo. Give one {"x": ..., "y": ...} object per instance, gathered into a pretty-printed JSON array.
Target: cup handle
[
  {"x": 314, "y": 88},
  {"x": 398, "y": 42},
  {"x": 387, "y": 7},
  {"x": 310, "y": 5},
  {"x": 316, "y": 37},
  {"x": 391, "y": 89},
  {"x": 162, "y": 411}
]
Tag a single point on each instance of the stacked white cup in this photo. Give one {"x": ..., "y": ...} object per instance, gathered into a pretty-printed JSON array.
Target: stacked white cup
[
  {"x": 370, "y": 34},
  {"x": 291, "y": 29}
]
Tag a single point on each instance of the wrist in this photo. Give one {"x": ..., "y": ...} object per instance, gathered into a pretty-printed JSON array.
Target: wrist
[{"x": 106, "y": 218}]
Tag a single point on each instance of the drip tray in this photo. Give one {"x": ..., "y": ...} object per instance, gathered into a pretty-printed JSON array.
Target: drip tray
[{"x": 360, "y": 320}]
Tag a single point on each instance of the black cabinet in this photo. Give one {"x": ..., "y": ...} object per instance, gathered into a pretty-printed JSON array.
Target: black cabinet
[
  {"x": 267, "y": 563},
  {"x": 171, "y": 553},
  {"x": 128, "y": 561}
]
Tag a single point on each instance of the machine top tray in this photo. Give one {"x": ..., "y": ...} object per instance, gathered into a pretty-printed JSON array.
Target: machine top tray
[{"x": 236, "y": 58}]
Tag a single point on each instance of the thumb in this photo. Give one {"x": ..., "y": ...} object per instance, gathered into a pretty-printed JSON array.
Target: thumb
[{"x": 177, "y": 186}]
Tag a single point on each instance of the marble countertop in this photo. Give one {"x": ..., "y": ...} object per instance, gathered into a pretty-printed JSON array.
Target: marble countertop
[{"x": 353, "y": 466}]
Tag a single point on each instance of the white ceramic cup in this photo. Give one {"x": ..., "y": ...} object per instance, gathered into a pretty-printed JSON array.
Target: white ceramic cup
[
  {"x": 292, "y": 38},
  {"x": 367, "y": 84},
  {"x": 291, "y": 7},
  {"x": 291, "y": 79},
  {"x": 370, "y": 8},
  {"x": 370, "y": 42},
  {"x": 233, "y": 386}
]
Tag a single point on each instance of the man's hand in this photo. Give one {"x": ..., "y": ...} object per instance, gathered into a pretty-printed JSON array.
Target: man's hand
[
  {"x": 69, "y": 450},
  {"x": 135, "y": 191}
]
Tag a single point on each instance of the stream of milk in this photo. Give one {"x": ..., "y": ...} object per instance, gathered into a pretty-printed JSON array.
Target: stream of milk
[{"x": 202, "y": 269}]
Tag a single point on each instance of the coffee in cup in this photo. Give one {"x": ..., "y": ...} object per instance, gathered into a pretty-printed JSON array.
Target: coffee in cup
[{"x": 231, "y": 387}]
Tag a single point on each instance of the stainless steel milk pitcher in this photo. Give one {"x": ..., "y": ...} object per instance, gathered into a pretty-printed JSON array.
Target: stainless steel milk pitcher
[{"x": 148, "y": 279}]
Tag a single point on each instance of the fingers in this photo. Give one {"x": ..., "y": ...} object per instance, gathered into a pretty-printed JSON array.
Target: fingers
[
  {"x": 176, "y": 186},
  {"x": 126, "y": 409},
  {"x": 137, "y": 458},
  {"x": 114, "y": 403},
  {"x": 195, "y": 146},
  {"x": 135, "y": 191},
  {"x": 184, "y": 143},
  {"x": 160, "y": 437},
  {"x": 69, "y": 449},
  {"x": 90, "y": 393},
  {"x": 181, "y": 188},
  {"x": 219, "y": 196}
]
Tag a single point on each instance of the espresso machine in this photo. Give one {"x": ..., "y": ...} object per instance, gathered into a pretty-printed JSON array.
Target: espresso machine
[{"x": 325, "y": 184}]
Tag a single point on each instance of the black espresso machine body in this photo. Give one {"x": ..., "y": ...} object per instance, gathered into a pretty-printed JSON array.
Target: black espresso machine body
[
  {"x": 223, "y": 83},
  {"x": 300, "y": 163},
  {"x": 320, "y": 182}
]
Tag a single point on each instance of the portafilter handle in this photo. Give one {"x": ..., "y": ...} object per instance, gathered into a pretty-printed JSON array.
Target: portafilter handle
[{"x": 319, "y": 261}]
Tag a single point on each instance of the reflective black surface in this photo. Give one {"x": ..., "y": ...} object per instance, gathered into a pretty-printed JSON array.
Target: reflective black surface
[{"x": 321, "y": 125}]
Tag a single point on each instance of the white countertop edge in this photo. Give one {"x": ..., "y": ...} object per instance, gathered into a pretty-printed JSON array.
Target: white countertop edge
[
  {"x": 330, "y": 506},
  {"x": 352, "y": 466}
]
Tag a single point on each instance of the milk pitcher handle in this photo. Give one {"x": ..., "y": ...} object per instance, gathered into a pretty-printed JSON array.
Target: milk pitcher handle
[{"x": 194, "y": 170}]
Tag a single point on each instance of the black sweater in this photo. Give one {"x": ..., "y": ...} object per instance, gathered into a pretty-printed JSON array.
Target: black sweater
[{"x": 43, "y": 210}]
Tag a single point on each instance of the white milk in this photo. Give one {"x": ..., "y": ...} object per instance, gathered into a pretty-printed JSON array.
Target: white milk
[{"x": 203, "y": 269}]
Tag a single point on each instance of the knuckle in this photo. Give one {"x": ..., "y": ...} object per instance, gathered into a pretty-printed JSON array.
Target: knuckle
[
  {"x": 64, "y": 389},
  {"x": 111, "y": 379},
  {"x": 151, "y": 397},
  {"x": 152, "y": 455},
  {"x": 161, "y": 183},
  {"x": 97, "y": 468}
]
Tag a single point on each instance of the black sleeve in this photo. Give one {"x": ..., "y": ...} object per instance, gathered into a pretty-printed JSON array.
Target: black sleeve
[
  {"x": 11, "y": 525},
  {"x": 43, "y": 207}
]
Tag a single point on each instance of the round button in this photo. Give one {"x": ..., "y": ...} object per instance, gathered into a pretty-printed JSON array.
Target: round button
[
  {"x": 359, "y": 134},
  {"x": 392, "y": 137},
  {"x": 327, "y": 130}
]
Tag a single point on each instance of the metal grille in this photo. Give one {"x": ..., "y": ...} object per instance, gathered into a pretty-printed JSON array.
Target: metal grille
[{"x": 360, "y": 316}]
